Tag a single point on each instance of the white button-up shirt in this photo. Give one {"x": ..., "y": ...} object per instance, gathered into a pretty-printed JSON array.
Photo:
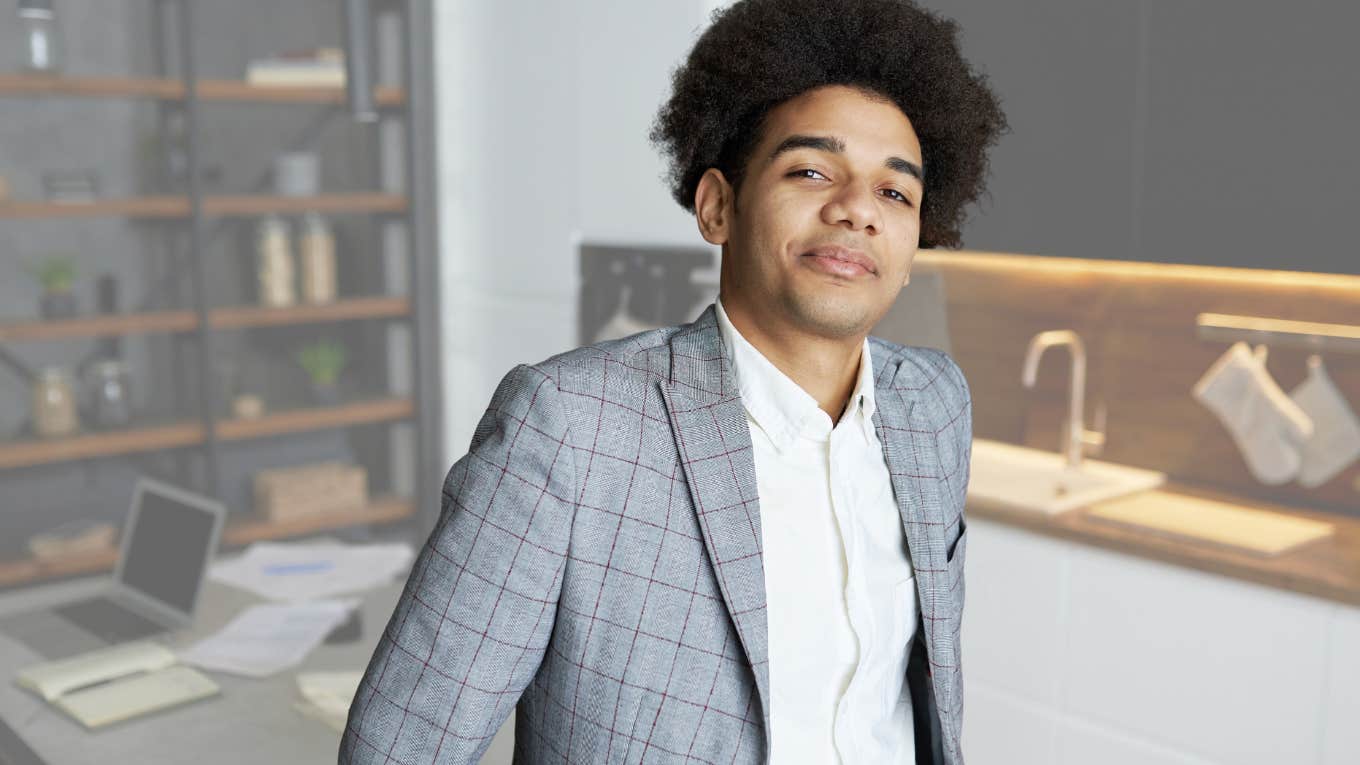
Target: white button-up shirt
[{"x": 839, "y": 586}]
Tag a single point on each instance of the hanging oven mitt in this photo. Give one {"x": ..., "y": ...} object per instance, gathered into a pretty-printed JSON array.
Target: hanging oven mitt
[
  {"x": 1268, "y": 427},
  {"x": 1335, "y": 442}
]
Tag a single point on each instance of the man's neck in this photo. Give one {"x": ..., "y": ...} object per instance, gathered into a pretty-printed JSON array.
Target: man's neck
[{"x": 825, "y": 368}]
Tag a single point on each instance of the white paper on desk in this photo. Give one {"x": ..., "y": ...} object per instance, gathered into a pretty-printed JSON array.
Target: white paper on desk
[
  {"x": 284, "y": 571},
  {"x": 269, "y": 637}
]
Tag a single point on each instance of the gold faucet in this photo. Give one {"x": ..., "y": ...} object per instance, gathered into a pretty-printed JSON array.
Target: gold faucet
[{"x": 1076, "y": 439}]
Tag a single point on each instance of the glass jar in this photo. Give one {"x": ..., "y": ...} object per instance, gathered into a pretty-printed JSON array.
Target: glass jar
[
  {"x": 40, "y": 50},
  {"x": 110, "y": 397},
  {"x": 54, "y": 404},
  {"x": 274, "y": 257},
  {"x": 316, "y": 253}
]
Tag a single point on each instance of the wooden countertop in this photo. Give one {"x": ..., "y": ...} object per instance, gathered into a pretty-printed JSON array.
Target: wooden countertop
[{"x": 1327, "y": 568}]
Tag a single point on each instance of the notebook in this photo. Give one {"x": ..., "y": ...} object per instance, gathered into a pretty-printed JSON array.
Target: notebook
[{"x": 117, "y": 683}]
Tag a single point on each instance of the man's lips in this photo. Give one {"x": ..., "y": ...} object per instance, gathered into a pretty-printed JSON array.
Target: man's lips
[{"x": 845, "y": 259}]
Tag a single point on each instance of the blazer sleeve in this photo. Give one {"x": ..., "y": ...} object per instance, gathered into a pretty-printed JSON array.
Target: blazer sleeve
[{"x": 472, "y": 624}]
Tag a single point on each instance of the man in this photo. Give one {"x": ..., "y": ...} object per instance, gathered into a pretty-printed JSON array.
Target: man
[{"x": 738, "y": 540}]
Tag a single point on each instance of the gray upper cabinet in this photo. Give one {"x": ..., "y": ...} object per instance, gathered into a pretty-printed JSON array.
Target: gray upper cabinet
[
  {"x": 1251, "y": 126},
  {"x": 1210, "y": 132}
]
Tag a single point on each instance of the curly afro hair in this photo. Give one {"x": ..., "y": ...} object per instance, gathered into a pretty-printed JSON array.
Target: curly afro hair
[{"x": 759, "y": 53}]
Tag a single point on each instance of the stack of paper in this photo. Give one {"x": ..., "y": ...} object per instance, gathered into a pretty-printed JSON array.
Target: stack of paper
[
  {"x": 270, "y": 637},
  {"x": 327, "y": 696},
  {"x": 291, "y": 572}
]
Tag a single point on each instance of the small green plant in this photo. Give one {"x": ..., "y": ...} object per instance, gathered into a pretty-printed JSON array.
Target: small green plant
[
  {"x": 56, "y": 273},
  {"x": 323, "y": 360}
]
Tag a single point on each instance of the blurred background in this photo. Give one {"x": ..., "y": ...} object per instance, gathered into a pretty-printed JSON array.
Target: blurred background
[{"x": 262, "y": 265}]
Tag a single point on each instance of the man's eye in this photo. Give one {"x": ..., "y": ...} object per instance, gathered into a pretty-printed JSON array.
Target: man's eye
[
  {"x": 900, "y": 195},
  {"x": 799, "y": 173}
]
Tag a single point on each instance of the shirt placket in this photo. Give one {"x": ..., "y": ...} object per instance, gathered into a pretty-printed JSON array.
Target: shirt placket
[{"x": 840, "y": 466}]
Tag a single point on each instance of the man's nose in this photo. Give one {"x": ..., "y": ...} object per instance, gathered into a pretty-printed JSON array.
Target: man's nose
[{"x": 854, "y": 204}]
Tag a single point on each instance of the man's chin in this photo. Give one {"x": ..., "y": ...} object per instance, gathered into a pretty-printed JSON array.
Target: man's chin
[{"x": 832, "y": 318}]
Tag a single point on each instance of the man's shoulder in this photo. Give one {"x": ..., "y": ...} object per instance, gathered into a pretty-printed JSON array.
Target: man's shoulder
[
  {"x": 640, "y": 357},
  {"x": 924, "y": 367}
]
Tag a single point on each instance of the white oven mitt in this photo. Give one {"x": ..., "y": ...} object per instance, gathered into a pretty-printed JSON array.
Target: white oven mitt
[
  {"x": 1335, "y": 442},
  {"x": 1268, "y": 427}
]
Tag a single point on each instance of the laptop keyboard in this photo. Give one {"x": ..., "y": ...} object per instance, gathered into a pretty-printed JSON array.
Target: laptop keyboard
[{"x": 108, "y": 620}]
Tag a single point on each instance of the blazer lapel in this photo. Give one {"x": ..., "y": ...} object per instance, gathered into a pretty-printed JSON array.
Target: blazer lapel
[
  {"x": 709, "y": 422},
  {"x": 909, "y": 448}
]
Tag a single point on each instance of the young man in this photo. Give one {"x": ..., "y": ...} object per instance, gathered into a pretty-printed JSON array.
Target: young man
[{"x": 740, "y": 540}]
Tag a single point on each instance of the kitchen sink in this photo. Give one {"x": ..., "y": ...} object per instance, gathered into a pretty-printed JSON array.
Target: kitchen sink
[{"x": 1034, "y": 480}]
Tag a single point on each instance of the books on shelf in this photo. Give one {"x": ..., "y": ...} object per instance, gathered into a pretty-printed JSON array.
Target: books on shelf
[{"x": 323, "y": 67}]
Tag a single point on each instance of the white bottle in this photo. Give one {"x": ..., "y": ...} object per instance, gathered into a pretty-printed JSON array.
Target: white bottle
[
  {"x": 274, "y": 261},
  {"x": 316, "y": 252}
]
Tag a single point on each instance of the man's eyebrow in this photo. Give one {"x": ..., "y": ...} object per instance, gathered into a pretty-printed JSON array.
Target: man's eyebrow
[{"x": 837, "y": 146}]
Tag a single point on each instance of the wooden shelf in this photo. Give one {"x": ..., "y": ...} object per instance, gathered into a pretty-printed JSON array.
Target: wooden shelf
[
  {"x": 42, "y": 451},
  {"x": 234, "y": 317},
  {"x": 319, "y": 418},
  {"x": 386, "y": 510},
  {"x": 173, "y": 90},
  {"x": 98, "y": 326},
  {"x": 240, "y": 317},
  {"x": 130, "y": 207},
  {"x": 177, "y": 207},
  {"x": 247, "y": 205},
  {"x": 237, "y": 533},
  {"x": 29, "y": 452}
]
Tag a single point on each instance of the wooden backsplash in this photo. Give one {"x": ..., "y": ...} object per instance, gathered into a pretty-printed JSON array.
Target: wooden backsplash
[{"x": 1143, "y": 356}]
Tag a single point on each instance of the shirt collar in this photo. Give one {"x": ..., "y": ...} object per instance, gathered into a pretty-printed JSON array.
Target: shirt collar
[{"x": 779, "y": 406}]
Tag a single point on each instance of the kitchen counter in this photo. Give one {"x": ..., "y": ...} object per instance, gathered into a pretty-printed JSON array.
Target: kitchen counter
[{"x": 1327, "y": 568}]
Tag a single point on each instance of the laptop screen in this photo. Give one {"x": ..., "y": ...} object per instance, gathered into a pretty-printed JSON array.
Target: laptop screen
[{"x": 165, "y": 557}]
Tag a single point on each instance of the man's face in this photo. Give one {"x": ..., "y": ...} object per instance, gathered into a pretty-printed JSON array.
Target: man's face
[{"x": 834, "y": 178}]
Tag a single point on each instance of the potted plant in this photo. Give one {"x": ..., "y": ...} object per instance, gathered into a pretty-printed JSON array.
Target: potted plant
[
  {"x": 323, "y": 361},
  {"x": 56, "y": 274}
]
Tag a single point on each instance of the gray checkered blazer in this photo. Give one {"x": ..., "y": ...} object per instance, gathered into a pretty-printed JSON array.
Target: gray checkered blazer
[{"x": 598, "y": 563}]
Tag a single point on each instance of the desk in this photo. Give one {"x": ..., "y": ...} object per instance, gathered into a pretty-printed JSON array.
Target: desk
[{"x": 251, "y": 721}]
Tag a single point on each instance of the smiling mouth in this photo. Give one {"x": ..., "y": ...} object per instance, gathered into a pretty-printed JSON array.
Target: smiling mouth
[{"x": 842, "y": 262}]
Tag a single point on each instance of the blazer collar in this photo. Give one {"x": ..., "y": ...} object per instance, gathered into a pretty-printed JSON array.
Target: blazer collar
[{"x": 701, "y": 371}]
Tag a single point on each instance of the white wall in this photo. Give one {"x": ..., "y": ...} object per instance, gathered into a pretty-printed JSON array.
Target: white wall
[{"x": 543, "y": 111}]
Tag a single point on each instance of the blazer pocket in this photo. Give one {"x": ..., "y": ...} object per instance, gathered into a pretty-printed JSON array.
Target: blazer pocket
[
  {"x": 956, "y": 555},
  {"x": 958, "y": 540},
  {"x": 649, "y": 708}
]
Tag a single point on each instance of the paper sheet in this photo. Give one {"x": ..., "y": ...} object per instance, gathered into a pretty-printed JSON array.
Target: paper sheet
[
  {"x": 270, "y": 637},
  {"x": 284, "y": 571}
]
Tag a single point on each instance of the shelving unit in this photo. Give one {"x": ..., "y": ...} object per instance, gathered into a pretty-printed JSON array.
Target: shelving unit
[{"x": 403, "y": 211}]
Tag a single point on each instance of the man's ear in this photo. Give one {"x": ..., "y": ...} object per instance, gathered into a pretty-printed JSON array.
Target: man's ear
[{"x": 713, "y": 206}]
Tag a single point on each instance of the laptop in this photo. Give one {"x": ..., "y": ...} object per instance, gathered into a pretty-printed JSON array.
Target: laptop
[{"x": 167, "y": 543}]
